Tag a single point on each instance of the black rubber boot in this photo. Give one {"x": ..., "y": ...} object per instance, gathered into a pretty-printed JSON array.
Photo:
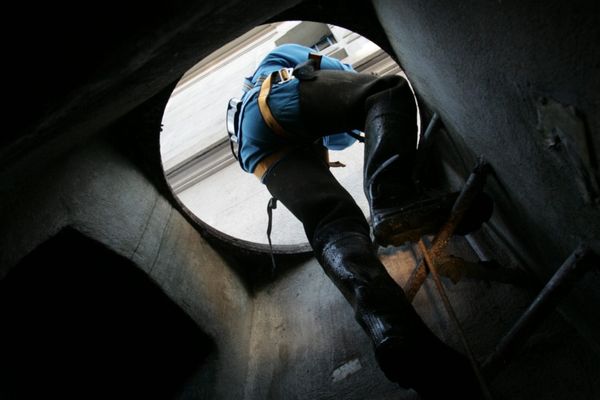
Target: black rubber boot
[
  {"x": 406, "y": 350},
  {"x": 399, "y": 212}
]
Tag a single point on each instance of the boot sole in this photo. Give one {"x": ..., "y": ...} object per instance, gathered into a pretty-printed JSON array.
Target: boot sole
[
  {"x": 396, "y": 230},
  {"x": 398, "y": 226}
]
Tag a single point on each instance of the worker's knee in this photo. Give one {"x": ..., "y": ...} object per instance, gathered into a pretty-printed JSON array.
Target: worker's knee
[
  {"x": 394, "y": 81},
  {"x": 392, "y": 91},
  {"x": 395, "y": 84}
]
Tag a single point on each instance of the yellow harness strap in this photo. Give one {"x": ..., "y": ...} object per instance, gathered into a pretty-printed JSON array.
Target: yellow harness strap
[
  {"x": 263, "y": 165},
  {"x": 265, "y": 111},
  {"x": 266, "y": 163},
  {"x": 263, "y": 105}
]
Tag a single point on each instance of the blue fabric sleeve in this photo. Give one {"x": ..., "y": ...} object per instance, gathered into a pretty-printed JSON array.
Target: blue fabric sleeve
[{"x": 339, "y": 141}]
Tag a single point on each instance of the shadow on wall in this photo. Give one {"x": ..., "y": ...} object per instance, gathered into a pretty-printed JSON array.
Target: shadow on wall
[{"x": 79, "y": 321}]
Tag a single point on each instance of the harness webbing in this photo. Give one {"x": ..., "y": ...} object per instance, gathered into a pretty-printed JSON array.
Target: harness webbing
[
  {"x": 265, "y": 110},
  {"x": 271, "y": 205}
]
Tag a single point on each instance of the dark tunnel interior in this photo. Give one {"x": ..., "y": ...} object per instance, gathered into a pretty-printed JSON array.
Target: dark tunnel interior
[{"x": 79, "y": 321}]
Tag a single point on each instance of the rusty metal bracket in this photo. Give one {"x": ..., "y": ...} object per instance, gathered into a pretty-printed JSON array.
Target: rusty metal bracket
[
  {"x": 457, "y": 269},
  {"x": 471, "y": 189}
]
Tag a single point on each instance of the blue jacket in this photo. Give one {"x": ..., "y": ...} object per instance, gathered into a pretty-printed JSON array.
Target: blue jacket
[{"x": 256, "y": 140}]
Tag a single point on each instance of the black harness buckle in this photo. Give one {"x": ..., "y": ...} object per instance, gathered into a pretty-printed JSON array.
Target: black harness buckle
[{"x": 232, "y": 120}]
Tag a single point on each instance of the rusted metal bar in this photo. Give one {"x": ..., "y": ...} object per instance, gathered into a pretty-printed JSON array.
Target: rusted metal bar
[
  {"x": 457, "y": 269},
  {"x": 471, "y": 189},
  {"x": 540, "y": 307},
  {"x": 450, "y": 310}
]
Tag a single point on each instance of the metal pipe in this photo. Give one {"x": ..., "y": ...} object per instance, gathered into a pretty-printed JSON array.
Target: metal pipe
[
  {"x": 539, "y": 308},
  {"x": 426, "y": 138}
]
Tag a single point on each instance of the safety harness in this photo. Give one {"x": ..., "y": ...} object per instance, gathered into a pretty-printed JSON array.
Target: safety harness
[
  {"x": 277, "y": 77},
  {"x": 303, "y": 71}
]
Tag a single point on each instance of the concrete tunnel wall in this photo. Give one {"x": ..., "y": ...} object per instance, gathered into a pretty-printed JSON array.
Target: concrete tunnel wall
[
  {"x": 456, "y": 57},
  {"x": 102, "y": 195}
]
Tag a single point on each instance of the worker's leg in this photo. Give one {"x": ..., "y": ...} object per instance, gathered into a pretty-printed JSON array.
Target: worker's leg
[
  {"x": 385, "y": 108},
  {"x": 406, "y": 350},
  {"x": 303, "y": 183}
]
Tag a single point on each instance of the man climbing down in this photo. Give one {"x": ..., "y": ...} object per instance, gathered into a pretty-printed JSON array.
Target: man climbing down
[{"x": 294, "y": 106}]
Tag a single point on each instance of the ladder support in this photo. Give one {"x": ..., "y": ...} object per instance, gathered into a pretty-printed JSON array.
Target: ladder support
[
  {"x": 543, "y": 304},
  {"x": 469, "y": 192}
]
